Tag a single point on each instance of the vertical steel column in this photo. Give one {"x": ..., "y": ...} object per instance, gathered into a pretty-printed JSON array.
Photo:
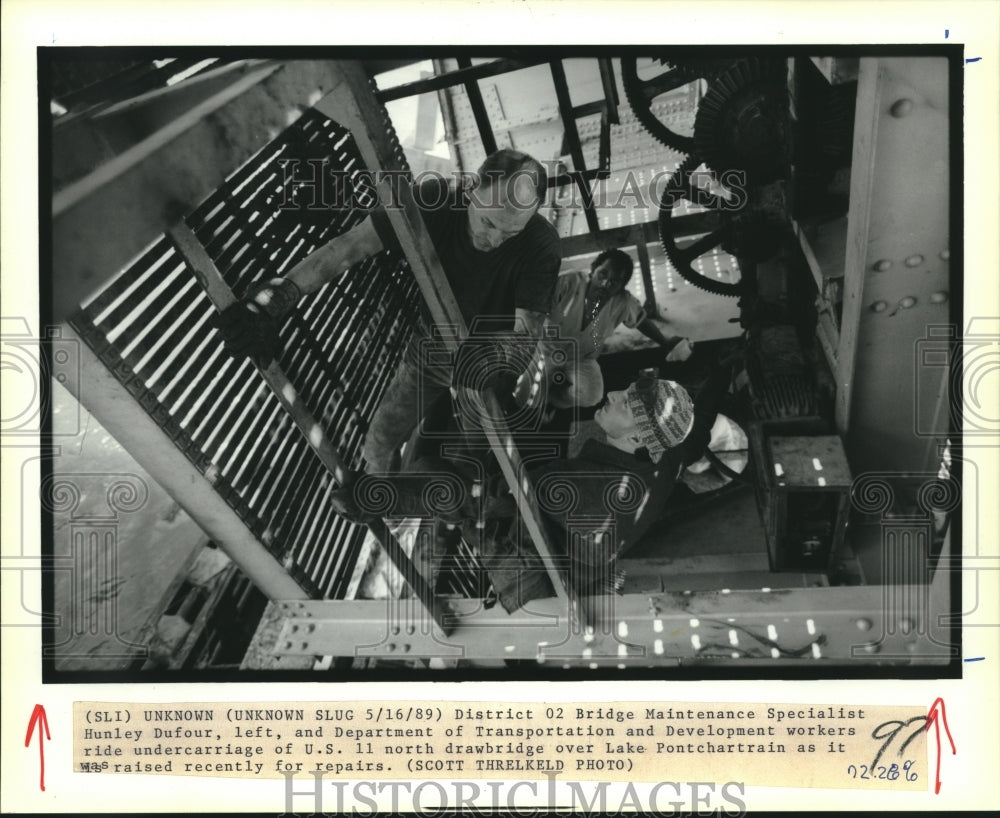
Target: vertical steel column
[
  {"x": 866, "y": 123},
  {"x": 575, "y": 148},
  {"x": 607, "y": 70},
  {"x": 479, "y": 109},
  {"x": 641, "y": 250}
]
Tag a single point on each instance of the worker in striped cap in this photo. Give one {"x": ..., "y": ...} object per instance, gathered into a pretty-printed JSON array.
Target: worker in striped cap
[{"x": 652, "y": 414}]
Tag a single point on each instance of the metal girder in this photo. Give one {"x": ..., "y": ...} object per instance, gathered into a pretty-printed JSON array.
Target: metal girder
[
  {"x": 607, "y": 70},
  {"x": 692, "y": 225},
  {"x": 896, "y": 266},
  {"x": 642, "y": 251},
  {"x": 354, "y": 106},
  {"x": 842, "y": 625},
  {"x": 131, "y": 425},
  {"x": 467, "y": 74},
  {"x": 105, "y": 219},
  {"x": 573, "y": 137},
  {"x": 479, "y": 109},
  {"x": 346, "y": 105}
]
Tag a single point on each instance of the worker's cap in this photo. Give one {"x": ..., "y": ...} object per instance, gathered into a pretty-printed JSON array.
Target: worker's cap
[{"x": 663, "y": 413}]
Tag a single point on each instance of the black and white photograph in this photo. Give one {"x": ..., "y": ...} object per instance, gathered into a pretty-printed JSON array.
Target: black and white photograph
[
  {"x": 518, "y": 405},
  {"x": 502, "y": 362}
]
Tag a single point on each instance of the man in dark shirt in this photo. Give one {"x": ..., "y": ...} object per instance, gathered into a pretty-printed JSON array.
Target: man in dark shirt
[{"x": 499, "y": 255}]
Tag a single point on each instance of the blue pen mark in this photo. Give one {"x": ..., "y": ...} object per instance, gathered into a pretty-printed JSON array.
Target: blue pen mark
[
  {"x": 972, "y": 59},
  {"x": 977, "y": 659},
  {"x": 946, "y": 34}
]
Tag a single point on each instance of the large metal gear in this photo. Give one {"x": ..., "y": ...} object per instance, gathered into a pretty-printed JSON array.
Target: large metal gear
[
  {"x": 740, "y": 225},
  {"x": 743, "y": 121},
  {"x": 641, "y": 93}
]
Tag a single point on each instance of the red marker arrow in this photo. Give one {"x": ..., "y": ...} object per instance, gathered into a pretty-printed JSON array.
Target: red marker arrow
[
  {"x": 936, "y": 716},
  {"x": 38, "y": 716}
]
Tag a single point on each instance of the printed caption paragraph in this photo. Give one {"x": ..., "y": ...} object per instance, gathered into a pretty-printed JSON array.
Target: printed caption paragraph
[{"x": 788, "y": 745}]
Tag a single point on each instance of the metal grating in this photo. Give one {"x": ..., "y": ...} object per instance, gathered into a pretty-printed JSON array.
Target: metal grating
[
  {"x": 463, "y": 575},
  {"x": 151, "y": 327}
]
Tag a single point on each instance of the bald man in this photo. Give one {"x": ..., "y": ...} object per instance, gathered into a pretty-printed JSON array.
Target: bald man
[{"x": 499, "y": 255}]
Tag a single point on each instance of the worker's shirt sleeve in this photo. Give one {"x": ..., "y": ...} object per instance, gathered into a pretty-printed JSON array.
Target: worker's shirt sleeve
[
  {"x": 539, "y": 270},
  {"x": 632, "y": 312}
]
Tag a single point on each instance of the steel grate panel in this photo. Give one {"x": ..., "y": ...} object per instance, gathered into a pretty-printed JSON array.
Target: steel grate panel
[{"x": 151, "y": 326}]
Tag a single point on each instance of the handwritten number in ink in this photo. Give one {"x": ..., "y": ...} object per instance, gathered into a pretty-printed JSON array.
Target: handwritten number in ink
[
  {"x": 922, "y": 728},
  {"x": 879, "y": 732},
  {"x": 881, "y": 773}
]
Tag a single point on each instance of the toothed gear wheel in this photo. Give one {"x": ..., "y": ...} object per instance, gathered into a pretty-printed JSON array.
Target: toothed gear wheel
[
  {"x": 750, "y": 233},
  {"x": 743, "y": 121},
  {"x": 641, "y": 93}
]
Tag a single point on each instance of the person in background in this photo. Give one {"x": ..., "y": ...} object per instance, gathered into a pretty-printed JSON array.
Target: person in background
[{"x": 588, "y": 307}]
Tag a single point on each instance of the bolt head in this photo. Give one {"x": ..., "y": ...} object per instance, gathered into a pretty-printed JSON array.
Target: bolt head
[
  {"x": 863, "y": 624},
  {"x": 901, "y": 107}
]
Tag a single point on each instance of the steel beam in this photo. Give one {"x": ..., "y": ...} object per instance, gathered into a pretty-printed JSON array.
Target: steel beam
[
  {"x": 897, "y": 264},
  {"x": 866, "y": 124},
  {"x": 479, "y": 109},
  {"x": 607, "y": 69},
  {"x": 104, "y": 220},
  {"x": 108, "y": 400},
  {"x": 573, "y": 137},
  {"x": 693, "y": 225},
  {"x": 639, "y": 237},
  {"x": 469, "y": 73},
  {"x": 842, "y": 625}
]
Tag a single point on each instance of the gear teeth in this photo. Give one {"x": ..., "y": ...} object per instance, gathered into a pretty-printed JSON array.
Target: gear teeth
[
  {"x": 676, "y": 189},
  {"x": 747, "y": 77},
  {"x": 642, "y": 108}
]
